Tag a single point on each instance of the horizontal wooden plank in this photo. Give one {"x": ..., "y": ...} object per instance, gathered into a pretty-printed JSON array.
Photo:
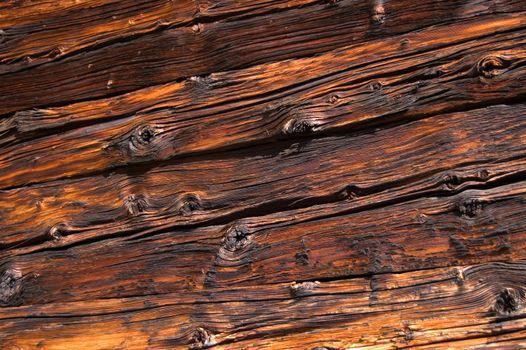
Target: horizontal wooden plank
[
  {"x": 454, "y": 307},
  {"x": 305, "y": 174},
  {"x": 472, "y": 227},
  {"x": 336, "y": 93},
  {"x": 425, "y": 156},
  {"x": 211, "y": 47},
  {"x": 32, "y": 35},
  {"x": 508, "y": 340}
]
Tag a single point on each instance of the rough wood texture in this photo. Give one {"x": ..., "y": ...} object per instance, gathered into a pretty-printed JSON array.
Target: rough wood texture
[{"x": 262, "y": 174}]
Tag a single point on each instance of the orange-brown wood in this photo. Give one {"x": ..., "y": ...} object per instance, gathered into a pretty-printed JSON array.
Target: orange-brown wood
[{"x": 304, "y": 174}]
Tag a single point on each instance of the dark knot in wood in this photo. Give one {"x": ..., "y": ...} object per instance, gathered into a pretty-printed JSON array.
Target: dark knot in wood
[
  {"x": 375, "y": 85},
  {"x": 298, "y": 127},
  {"x": 139, "y": 142},
  {"x": 56, "y": 232},
  {"x": 55, "y": 52},
  {"x": 236, "y": 238},
  {"x": 451, "y": 181},
  {"x": 350, "y": 192},
  {"x": 508, "y": 301},
  {"x": 333, "y": 98},
  {"x": 143, "y": 135},
  {"x": 10, "y": 286},
  {"x": 492, "y": 65},
  {"x": 302, "y": 257},
  {"x": 483, "y": 175},
  {"x": 332, "y": 2},
  {"x": 470, "y": 207},
  {"x": 203, "y": 82},
  {"x": 189, "y": 204}
]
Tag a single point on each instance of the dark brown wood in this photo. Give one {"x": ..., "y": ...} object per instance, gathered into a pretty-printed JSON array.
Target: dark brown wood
[
  {"x": 423, "y": 156},
  {"x": 211, "y": 47},
  {"x": 320, "y": 105},
  {"x": 305, "y": 174},
  {"x": 426, "y": 233},
  {"x": 485, "y": 295},
  {"x": 44, "y": 32}
]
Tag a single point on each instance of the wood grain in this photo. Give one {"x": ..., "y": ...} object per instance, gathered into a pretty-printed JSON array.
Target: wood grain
[
  {"x": 426, "y": 156},
  {"x": 41, "y": 33},
  {"x": 472, "y": 73},
  {"x": 304, "y": 174},
  {"x": 348, "y": 310},
  {"x": 475, "y": 226},
  {"x": 184, "y": 52}
]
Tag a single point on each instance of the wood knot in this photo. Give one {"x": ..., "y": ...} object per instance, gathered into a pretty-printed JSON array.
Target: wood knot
[
  {"x": 189, "y": 204},
  {"x": 10, "y": 287},
  {"x": 302, "y": 257},
  {"x": 56, "y": 232},
  {"x": 375, "y": 85},
  {"x": 379, "y": 12},
  {"x": 298, "y": 127},
  {"x": 202, "y": 338},
  {"x": 136, "y": 204},
  {"x": 470, "y": 207},
  {"x": 57, "y": 51},
  {"x": 144, "y": 135},
  {"x": 295, "y": 148},
  {"x": 350, "y": 192},
  {"x": 141, "y": 141},
  {"x": 302, "y": 288},
  {"x": 492, "y": 65},
  {"x": 236, "y": 238},
  {"x": 508, "y": 301},
  {"x": 483, "y": 175},
  {"x": 27, "y": 59},
  {"x": 451, "y": 181},
  {"x": 334, "y": 98}
]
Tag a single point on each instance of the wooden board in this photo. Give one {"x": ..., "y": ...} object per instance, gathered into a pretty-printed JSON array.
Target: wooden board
[{"x": 189, "y": 174}]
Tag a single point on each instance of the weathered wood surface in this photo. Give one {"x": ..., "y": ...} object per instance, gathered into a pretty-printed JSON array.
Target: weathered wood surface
[
  {"x": 262, "y": 174},
  {"x": 441, "y": 307},
  {"x": 424, "y": 156}
]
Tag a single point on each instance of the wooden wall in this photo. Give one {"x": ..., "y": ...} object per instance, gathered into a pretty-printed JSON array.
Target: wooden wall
[{"x": 331, "y": 174}]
